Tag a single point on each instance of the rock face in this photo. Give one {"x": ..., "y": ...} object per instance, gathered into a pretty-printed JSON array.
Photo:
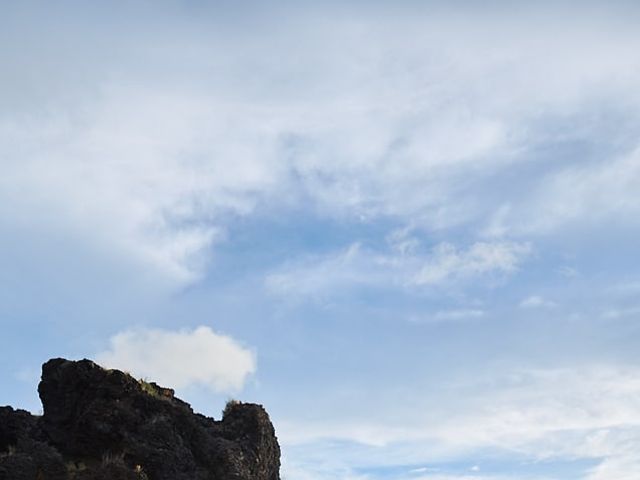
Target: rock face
[{"x": 105, "y": 425}]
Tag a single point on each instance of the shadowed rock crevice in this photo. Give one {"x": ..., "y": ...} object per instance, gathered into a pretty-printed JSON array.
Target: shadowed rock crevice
[{"x": 103, "y": 424}]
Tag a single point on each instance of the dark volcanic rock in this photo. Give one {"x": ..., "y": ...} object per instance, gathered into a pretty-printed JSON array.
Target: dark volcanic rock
[{"x": 105, "y": 425}]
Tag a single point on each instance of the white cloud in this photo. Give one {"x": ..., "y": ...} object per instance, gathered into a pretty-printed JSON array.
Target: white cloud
[
  {"x": 447, "y": 262},
  {"x": 536, "y": 301},
  {"x": 181, "y": 358},
  {"x": 403, "y": 265}
]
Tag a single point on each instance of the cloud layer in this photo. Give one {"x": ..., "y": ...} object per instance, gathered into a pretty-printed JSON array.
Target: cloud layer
[{"x": 150, "y": 163}]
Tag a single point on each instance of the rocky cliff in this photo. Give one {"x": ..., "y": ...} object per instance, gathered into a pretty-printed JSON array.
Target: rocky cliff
[{"x": 102, "y": 424}]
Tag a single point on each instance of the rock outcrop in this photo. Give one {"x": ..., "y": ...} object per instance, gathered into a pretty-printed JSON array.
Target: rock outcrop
[{"x": 102, "y": 424}]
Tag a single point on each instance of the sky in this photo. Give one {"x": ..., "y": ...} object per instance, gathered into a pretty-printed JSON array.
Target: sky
[{"x": 408, "y": 229}]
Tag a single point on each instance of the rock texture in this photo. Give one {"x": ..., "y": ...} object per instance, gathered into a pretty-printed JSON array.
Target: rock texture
[{"x": 105, "y": 425}]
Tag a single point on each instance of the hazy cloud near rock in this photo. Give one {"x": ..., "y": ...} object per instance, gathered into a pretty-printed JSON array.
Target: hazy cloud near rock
[{"x": 181, "y": 358}]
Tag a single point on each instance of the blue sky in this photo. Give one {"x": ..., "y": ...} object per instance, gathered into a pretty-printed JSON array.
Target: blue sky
[{"x": 409, "y": 229}]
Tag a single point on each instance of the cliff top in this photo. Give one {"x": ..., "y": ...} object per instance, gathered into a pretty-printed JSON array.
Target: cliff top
[{"x": 101, "y": 424}]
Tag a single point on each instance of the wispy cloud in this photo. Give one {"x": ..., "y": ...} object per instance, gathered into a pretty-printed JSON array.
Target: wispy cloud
[
  {"x": 453, "y": 315},
  {"x": 625, "y": 289},
  {"x": 543, "y": 415},
  {"x": 447, "y": 262},
  {"x": 536, "y": 301},
  {"x": 401, "y": 266},
  {"x": 616, "y": 313},
  {"x": 583, "y": 194}
]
